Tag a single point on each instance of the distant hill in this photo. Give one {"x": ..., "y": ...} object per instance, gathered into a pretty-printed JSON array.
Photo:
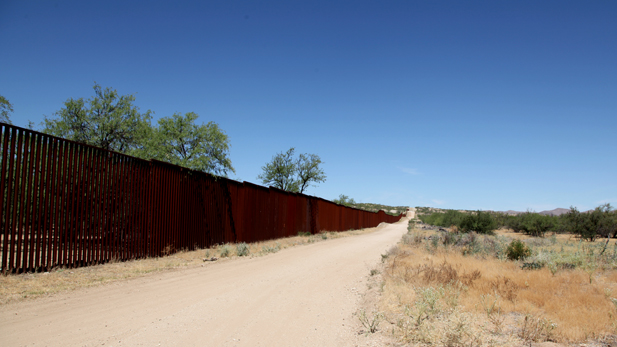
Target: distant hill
[{"x": 556, "y": 212}]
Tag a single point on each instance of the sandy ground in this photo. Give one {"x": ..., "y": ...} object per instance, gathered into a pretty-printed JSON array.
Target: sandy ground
[{"x": 301, "y": 296}]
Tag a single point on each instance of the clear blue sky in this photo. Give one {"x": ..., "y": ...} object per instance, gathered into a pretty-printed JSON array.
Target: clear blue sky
[{"x": 455, "y": 104}]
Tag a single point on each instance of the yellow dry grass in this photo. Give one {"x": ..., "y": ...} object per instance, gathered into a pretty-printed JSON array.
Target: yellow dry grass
[
  {"x": 564, "y": 305},
  {"x": 32, "y": 285}
]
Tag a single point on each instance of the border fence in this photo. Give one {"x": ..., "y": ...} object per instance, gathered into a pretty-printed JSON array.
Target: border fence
[{"x": 69, "y": 204}]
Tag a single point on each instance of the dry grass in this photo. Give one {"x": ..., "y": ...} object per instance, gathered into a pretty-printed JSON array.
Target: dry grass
[
  {"x": 27, "y": 286},
  {"x": 484, "y": 300}
]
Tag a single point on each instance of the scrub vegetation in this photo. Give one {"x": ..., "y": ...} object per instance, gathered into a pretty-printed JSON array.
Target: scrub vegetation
[
  {"x": 444, "y": 288},
  {"x": 598, "y": 223}
]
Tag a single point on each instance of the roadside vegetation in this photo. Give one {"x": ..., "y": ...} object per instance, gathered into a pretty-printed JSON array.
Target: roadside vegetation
[
  {"x": 505, "y": 288},
  {"x": 598, "y": 223}
]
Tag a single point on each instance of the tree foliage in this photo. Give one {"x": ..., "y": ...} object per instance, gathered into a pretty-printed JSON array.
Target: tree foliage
[
  {"x": 5, "y": 110},
  {"x": 112, "y": 121},
  {"x": 443, "y": 219},
  {"x": 533, "y": 224},
  {"x": 292, "y": 174},
  {"x": 480, "y": 222},
  {"x": 344, "y": 200},
  {"x": 589, "y": 225},
  {"x": 107, "y": 120},
  {"x": 308, "y": 171},
  {"x": 602, "y": 222},
  {"x": 280, "y": 172},
  {"x": 178, "y": 140}
]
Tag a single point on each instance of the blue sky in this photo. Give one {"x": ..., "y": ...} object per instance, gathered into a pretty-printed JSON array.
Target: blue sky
[{"x": 454, "y": 104}]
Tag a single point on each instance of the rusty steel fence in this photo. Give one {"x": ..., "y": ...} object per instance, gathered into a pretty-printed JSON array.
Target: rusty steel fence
[{"x": 68, "y": 204}]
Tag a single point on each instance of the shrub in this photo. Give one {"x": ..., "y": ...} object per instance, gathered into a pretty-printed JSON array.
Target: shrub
[
  {"x": 517, "y": 250},
  {"x": 480, "y": 222},
  {"x": 536, "y": 329},
  {"x": 225, "y": 250},
  {"x": 443, "y": 219},
  {"x": 534, "y": 265},
  {"x": 535, "y": 224},
  {"x": 600, "y": 222},
  {"x": 242, "y": 249},
  {"x": 450, "y": 238},
  {"x": 412, "y": 238},
  {"x": 515, "y": 223},
  {"x": 271, "y": 249}
]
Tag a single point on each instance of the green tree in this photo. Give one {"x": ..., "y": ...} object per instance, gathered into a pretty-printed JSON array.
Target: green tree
[
  {"x": 178, "y": 140},
  {"x": 280, "y": 172},
  {"x": 308, "y": 171},
  {"x": 444, "y": 219},
  {"x": 292, "y": 174},
  {"x": 480, "y": 222},
  {"x": 607, "y": 220},
  {"x": 531, "y": 223},
  {"x": 601, "y": 222},
  {"x": 344, "y": 200},
  {"x": 108, "y": 120},
  {"x": 5, "y": 110},
  {"x": 537, "y": 225}
]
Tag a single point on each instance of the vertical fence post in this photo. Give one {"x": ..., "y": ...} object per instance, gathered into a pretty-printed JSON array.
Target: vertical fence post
[
  {"x": 42, "y": 208},
  {"x": 4, "y": 209}
]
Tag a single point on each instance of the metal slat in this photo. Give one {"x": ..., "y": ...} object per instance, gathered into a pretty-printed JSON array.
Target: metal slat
[
  {"x": 79, "y": 202},
  {"x": 4, "y": 130},
  {"x": 15, "y": 202},
  {"x": 42, "y": 210},
  {"x": 32, "y": 206},
  {"x": 22, "y": 201},
  {"x": 73, "y": 197},
  {"x": 52, "y": 205}
]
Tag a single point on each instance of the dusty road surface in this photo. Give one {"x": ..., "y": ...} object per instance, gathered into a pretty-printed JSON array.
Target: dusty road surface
[
  {"x": 411, "y": 213},
  {"x": 300, "y": 296}
]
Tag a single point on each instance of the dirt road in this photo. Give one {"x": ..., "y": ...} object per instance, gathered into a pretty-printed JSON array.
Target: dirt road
[{"x": 301, "y": 296}]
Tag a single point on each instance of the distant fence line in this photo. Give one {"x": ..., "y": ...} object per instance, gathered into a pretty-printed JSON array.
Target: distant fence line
[{"x": 69, "y": 204}]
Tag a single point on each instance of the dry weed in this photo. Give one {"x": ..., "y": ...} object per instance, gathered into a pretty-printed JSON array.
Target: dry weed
[
  {"x": 506, "y": 303},
  {"x": 370, "y": 322},
  {"x": 536, "y": 329}
]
